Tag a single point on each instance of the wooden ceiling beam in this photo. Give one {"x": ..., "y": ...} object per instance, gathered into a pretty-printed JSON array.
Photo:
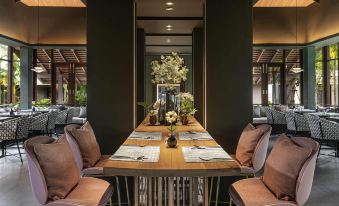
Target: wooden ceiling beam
[
  {"x": 44, "y": 51},
  {"x": 259, "y": 56},
  {"x": 275, "y": 55},
  {"x": 61, "y": 54}
]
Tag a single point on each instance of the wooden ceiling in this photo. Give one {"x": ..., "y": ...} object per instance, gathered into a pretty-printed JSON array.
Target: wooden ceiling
[
  {"x": 54, "y": 3},
  {"x": 283, "y": 3},
  {"x": 61, "y": 56}
]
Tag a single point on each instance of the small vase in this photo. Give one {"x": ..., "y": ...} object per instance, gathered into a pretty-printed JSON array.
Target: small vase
[
  {"x": 153, "y": 120},
  {"x": 172, "y": 141},
  {"x": 184, "y": 120}
]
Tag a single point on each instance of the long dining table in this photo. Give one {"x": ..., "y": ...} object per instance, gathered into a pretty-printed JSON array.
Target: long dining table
[{"x": 165, "y": 181}]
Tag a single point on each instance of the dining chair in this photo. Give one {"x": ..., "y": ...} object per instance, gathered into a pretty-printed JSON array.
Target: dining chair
[
  {"x": 253, "y": 191},
  {"x": 291, "y": 123},
  {"x": 39, "y": 123},
  {"x": 315, "y": 127},
  {"x": 88, "y": 191},
  {"x": 302, "y": 125},
  {"x": 330, "y": 132},
  {"x": 268, "y": 112},
  {"x": 60, "y": 122},
  {"x": 72, "y": 112},
  {"x": 14, "y": 131},
  {"x": 279, "y": 122},
  {"x": 97, "y": 170},
  {"x": 260, "y": 152}
]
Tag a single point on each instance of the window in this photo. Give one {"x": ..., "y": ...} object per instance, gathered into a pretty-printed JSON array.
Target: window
[
  {"x": 4, "y": 64},
  {"x": 333, "y": 70},
  {"x": 319, "y": 72},
  {"x": 16, "y": 76}
]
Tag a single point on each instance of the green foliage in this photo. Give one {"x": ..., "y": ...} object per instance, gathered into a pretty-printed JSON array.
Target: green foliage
[
  {"x": 147, "y": 107},
  {"x": 81, "y": 95},
  {"x": 42, "y": 102}
]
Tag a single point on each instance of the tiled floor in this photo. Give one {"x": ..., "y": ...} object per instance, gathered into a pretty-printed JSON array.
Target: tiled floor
[{"x": 15, "y": 187}]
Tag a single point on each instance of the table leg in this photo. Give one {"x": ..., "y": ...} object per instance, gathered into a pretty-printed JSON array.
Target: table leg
[
  {"x": 136, "y": 191},
  {"x": 170, "y": 191}
]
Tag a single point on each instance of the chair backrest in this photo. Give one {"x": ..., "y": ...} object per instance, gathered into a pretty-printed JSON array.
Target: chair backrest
[
  {"x": 306, "y": 174},
  {"x": 290, "y": 121},
  {"x": 330, "y": 130},
  {"x": 23, "y": 126},
  {"x": 61, "y": 117},
  {"x": 260, "y": 152},
  {"x": 52, "y": 120},
  {"x": 74, "y": 145},
  {"x": 8, "y": 129},
  {"x": 315, "y": 128},
  {"x": 39, "y": 122},
  {"x": 278, "y": 117},
  {"x": 37, "y": 178},
  {"x": 269, "y": 115},
  {"x": 302, "y": 123}
]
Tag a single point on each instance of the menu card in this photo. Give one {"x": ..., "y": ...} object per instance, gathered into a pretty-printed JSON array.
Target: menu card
[{"x": 134, "y": 153}]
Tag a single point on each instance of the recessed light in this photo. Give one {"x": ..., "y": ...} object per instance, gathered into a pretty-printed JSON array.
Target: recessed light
[
  {"x": 169, "y": 29},
  {"x": 169, "y": 8},
  {"x": 169, "y": 26},
  {"x": 168, "y": 41},
  {"x": 169, "y": 3}
]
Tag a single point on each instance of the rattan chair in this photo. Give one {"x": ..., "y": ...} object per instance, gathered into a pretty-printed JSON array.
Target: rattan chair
[
  {"x": 330, "y": 131},
  {"x": 302, "y": 124},
  {"x": 268, "y": 112},
  {"x": 290, "y": 123},
  {"x": 39, "y": 123}
]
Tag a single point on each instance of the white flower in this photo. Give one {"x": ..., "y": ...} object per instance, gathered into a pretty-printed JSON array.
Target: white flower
[
  {"x": 156, "y": 105},
  {"x": 153, "y": 112},
  {"x": 171, "y": 117}
]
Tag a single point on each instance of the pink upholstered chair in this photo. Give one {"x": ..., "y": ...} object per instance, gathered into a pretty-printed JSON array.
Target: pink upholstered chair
[
  {"x": 260, "y": 152},
  {"x": 88, "y": 191},
  {"x": 253, "y": 191}
]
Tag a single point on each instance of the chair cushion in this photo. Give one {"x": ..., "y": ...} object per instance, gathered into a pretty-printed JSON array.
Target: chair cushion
[
  {"x": 83, "y": 112},
  {"x": 59, "y": 168},
  {"x": 89, "y": 191},
  {"x": 88, "y": 145},
  {"x": 253, "y": 192},
  {"x": 247, "y": 143},
  {"x": 283, "y": 166}
]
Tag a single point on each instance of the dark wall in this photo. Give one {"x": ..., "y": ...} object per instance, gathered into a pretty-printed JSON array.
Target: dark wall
[
  {"x": 110, "y": 35},
  {"x": 198, "y": 72},
  {"x": 228, "y": 69}
]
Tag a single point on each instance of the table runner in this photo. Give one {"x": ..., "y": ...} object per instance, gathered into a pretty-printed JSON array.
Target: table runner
[
  {"x": 205, "y": 154},
  {"x": 134, "y": 153},
  {"x": 195, "y": 136}
]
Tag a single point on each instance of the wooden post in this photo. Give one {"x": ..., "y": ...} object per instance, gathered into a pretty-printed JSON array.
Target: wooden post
[
  {"x": 53, "y": 79},
  {"x": 10, "y": 76},
  {"x": 35, "y": 76},
  {"x": 71, "y": 85}
]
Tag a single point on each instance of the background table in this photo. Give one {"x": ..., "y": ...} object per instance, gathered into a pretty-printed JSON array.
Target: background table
[{"x": 171, "y": 170}]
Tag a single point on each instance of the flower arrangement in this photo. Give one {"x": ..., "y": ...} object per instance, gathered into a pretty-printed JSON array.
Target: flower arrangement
[
  {"x": 171, "y": 118},
  {"x": 186, "y": 107},
  {"x": 153, "y": 116},
  {"x": 169, "y": 70},
  {"x": 153, "y": 112}
]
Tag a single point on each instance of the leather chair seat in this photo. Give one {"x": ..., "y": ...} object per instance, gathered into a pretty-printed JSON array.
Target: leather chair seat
[
  {"x": 89, "y": 192},
  {"x": 253, "y": 192}
]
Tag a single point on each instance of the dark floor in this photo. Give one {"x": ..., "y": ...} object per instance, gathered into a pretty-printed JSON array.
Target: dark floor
[{"x": 15, "y": 186}]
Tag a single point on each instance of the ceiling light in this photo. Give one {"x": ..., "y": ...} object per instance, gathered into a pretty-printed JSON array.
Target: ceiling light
[
  {"x": 169, "y": 3},
  {"x": 168, "y": 41},
  {"x": 296, "y": 70},
  {"x": 169, "y": 8},
  {"x": 169, "y": 29},
  {"x": 169, "y": 26}
]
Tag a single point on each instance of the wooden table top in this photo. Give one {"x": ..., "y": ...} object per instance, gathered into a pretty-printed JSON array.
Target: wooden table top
[{"x": 171, "y": 162}]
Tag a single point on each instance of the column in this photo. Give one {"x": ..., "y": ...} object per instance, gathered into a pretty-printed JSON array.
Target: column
[
  {"x": 111, "y": 72},
  {"x": 26, "y": 91},
  {"x": 228, "y": 79},
  {"x": 35, "y": 76},
  {"x": 198, "y": 72},
  {"x": 10, "y": 82},
  {"x": 71, "y": 85},
  {"x": 53, "y": 79},
  {"x": 60, "y": 89},
  {"x": 309, "y": 78}
]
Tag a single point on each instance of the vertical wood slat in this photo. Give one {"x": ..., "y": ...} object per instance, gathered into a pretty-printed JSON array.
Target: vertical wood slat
[
  {"x": 217, "y": 192},
  {"x": 210, "y": 196},
  {"x": 178, "y": 191},
  {"x": 191, "y": 191},
  {"x": 165, "y": 187},
  {"x": 206, "y": 199},
  {"x": 159, "y": 191},
  {"x": 183, "y": 191},
  {"x": 195, "y": 191},
  {"x": 136, "y": 191},
  {"x": 150, "y": 192},
  {"x": 127, "y": 191},
  {"x": 170, "y": 191},
  {"x": 118, "y": 190}
]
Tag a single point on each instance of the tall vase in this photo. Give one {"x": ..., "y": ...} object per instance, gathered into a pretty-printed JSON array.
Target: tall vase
[{"x": 168, "y": 102}]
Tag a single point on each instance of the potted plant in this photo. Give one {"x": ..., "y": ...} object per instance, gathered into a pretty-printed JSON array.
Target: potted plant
[
  {"x": 171, "y": 118},
  {"x": 186, "y": 107}
]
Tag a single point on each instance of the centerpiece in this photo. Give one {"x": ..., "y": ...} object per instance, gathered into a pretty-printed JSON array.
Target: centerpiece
[
  {"x": 171, "y": 118},
  {"x": 169, "y": 70},
  {"x": 186, "y": 107}
]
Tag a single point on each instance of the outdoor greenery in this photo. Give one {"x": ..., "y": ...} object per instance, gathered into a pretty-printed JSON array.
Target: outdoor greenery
[
  {"x": 44, "y": 102},
  {"x": 81, "y": 95}
]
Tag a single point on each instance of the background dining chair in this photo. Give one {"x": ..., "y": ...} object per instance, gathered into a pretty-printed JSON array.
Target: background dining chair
[
  {"x": 60, "y": 122},
  {"x": 290, "y": 123},
  {"x": 39, "y": 124},
  {"x": 86, "y": 192},
  {"x": 302, "y": 125},
  {"x": 260, "y": 152},
  {"x": 98, "y": 169},
  {"x": 268, "y": 112},
  {"x": 14, "y": 131},
  {"x": 330, "y": 132},
  {"x": 279, "y": 122},
  {"x": 253, "y": 191}
]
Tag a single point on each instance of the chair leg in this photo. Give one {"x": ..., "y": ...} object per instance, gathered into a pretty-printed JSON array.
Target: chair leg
[
  {"x": 17, "y": 144},
  {"x": 231, "y": 202}
]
